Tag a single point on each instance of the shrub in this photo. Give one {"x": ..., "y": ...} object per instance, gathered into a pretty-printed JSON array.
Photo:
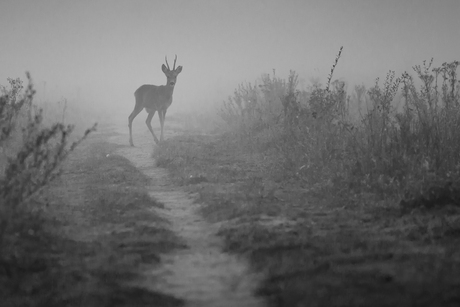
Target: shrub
[
  {"x": 383, "y": 148},
  {"x": 28, "y": 169}
]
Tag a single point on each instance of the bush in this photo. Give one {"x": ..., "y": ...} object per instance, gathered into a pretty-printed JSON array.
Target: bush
[
  {"x": 27, "y": 168},
  {"x": 324, "y": 138}
]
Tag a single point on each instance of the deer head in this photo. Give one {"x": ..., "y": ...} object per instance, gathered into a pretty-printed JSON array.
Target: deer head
[{"x": 171, "y": 74}]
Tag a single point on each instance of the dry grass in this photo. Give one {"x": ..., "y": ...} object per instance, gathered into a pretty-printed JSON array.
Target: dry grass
[
  {"x": 326, "y": 139},
  {"x": 319, "y": 249},
  {"x": 75, "y": 241},
  {"x": 340, "y": 200},
  {"x": 96, "y": 234}
]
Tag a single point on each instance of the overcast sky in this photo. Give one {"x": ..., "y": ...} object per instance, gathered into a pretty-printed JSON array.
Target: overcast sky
[{"x": 107, "y": 49}]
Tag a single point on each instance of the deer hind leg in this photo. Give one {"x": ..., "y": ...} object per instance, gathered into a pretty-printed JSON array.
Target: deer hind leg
[
  {"x": 132, "y": 116},
  {"x": 148, "y": 121},
  {"x": 162, "y": 115}
]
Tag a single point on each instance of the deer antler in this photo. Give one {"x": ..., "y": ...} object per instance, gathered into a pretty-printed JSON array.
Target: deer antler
[
  {"x": 174, "y": 66},
  {"x": 166, "y": 59}
]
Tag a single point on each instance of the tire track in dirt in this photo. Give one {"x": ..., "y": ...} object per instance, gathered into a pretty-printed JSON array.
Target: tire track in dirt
[{"x": 202, "y": 274}]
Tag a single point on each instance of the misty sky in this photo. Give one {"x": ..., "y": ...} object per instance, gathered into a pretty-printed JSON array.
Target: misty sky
[{"x": 107, "y": 49}]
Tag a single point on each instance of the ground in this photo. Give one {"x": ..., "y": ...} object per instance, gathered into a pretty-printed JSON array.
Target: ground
[
  {"x": 318, "y": 249},
  {"x": 204, "y": 223},
  {"x": 101, "y": 235}
]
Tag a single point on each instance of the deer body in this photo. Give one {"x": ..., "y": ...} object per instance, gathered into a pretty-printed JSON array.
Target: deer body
[
  {"x": 155, "y": 98},
  {"x": 163, "y": 97}
]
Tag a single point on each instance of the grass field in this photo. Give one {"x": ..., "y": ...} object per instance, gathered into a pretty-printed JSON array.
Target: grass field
[
  {"x": 319, "y": 249},
  {"x": 337, "y": 197},
  {"x": 340, "y": 199},
  {"x": 88, "y": 237}
]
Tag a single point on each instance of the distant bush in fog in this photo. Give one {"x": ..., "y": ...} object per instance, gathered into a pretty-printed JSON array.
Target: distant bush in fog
[{"x": 356, "y": 143}]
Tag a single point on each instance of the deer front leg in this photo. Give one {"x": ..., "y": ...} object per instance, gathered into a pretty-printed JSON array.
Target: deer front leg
[
  {"x": 131, "y": 117},
  {"x": 148, "y": 121},
  {"x": 162, "y": 115}
]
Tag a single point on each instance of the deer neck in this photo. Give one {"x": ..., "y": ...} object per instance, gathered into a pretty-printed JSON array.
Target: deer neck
[{"x": 169, "y": 88}]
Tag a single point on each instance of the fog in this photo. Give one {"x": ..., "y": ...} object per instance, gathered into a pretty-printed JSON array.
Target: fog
[{"x": 100, "y": 52}]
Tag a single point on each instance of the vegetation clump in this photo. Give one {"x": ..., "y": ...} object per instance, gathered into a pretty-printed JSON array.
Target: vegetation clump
[
  {"x": 30, "y": 155},
  {"x": 337, "y": 198},
  {"x": 397, "y": 140}
]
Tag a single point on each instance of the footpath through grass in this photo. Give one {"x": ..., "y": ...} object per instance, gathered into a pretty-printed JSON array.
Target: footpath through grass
[
  {"x": 97, "y": 234},
  {"x": 318, "y": 249}
]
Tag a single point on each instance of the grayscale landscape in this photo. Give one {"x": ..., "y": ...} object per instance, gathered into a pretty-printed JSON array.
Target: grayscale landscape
[{"x": 229, "y": 153}]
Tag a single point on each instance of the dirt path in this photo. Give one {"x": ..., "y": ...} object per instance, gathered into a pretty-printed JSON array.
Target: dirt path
[{"x": 201, "y": 274}]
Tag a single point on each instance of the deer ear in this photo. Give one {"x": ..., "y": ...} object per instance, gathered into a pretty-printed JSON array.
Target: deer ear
[
  {"x": 163, "y": 68},
  {"x": 179, "y": 69}
]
